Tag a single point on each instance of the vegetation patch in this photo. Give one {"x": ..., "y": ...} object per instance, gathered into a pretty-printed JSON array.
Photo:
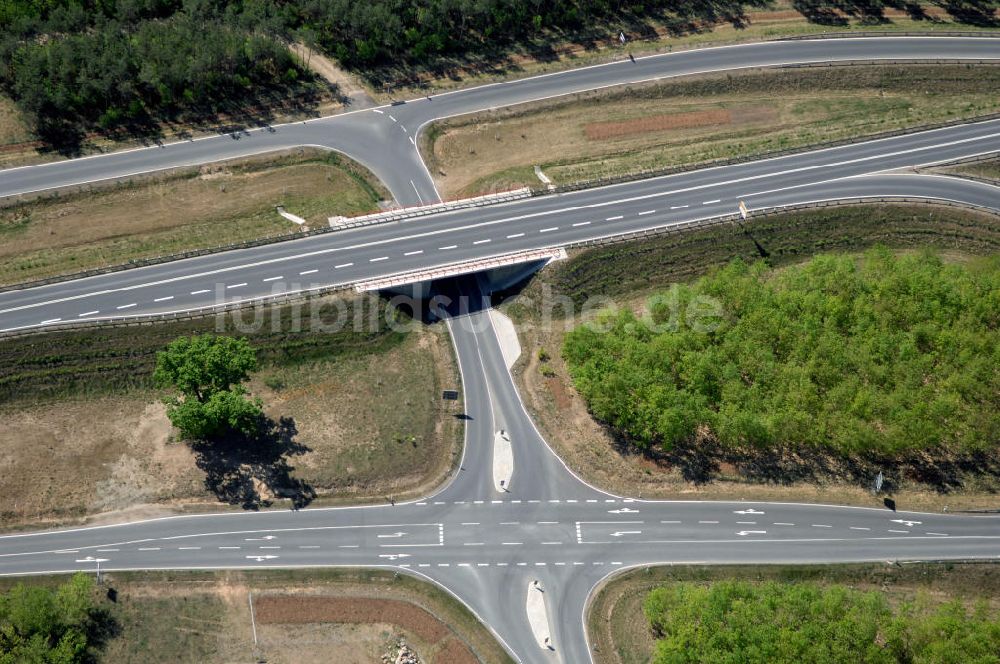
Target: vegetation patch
[
  {"x": 630, "y": 272},
  {"x": 353, "y": 414},
  {"x": 886, "y": 355},
  {"x": 693, "y": 120},
  {"x": 776, "y": 613},
  {"x": 205, "y": 617},
  {"x": 190, "y": 209}
]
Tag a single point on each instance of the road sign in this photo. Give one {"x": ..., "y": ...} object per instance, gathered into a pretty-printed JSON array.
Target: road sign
[
  {"x": 879, "y": 479},
  {"x": 744, "y": 210},
  {"x": 450, "y": 395}
]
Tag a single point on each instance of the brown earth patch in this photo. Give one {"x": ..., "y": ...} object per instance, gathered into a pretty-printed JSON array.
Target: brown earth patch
[{"x": 598, "y": 131}]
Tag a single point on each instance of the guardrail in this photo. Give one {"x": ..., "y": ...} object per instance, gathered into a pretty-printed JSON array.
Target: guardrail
[
  {"x": 391, "y": 216},
  {"x": 890, "y": 33},
  {"x": 291, "y": 298},
  {"x": 736, "y": 218},
  {"x": 431, "y": 208}
]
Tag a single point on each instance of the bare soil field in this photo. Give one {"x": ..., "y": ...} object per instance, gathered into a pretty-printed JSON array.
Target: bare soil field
[
  {"x": 431, "y": 638},
  {"x": 302, "y": 617},
  {"x": 627, "y": 273},
  {"x": 697, "y": 119},
  {"x": 359, "y": 420},
  {"x": 621, "y": 635},
  {"x": 191, "y": 209}
]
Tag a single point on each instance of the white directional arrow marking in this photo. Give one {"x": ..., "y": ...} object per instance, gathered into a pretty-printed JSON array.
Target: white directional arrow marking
[
  {"x": 749, "y": 511},
  {"x": 259, "y": 539},
  {"x": 744, "y": 533},
  {"x": 262, "y": 558},
  {"x": 624, "y": 510},
  {"x": 626, "y": 532},
  {"x": 908, "y": 524},
  {"x": 394, "y": 556},
  {"x": 400, "y": 534}
]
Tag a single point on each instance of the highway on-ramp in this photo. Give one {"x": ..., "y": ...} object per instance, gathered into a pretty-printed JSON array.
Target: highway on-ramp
[{"x": 483, "y": 544}]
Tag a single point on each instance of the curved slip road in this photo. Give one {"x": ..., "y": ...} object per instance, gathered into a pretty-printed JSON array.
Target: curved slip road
[
  {"x": 383, "y": 138},
  {"x": 350, "y": 256},
  {"x": 483, "y": 545}
]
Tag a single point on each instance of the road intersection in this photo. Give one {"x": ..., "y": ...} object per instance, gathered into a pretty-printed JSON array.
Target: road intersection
[{"x": 484, "y": 545}]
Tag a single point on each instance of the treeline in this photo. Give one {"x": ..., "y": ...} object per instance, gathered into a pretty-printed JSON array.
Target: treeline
[
  {"x": 779, "y": 623},
  {"x": 58, "y": 625},
  {"x": 106, "y": 65},
  {"x": 886, "y": 355}
]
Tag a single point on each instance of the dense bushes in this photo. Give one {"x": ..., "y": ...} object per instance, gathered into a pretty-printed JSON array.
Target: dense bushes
[
  {"x": 885, "y": 355},
  {"x": 56, "y": 625},
  {"x": 773, "y": 623}
]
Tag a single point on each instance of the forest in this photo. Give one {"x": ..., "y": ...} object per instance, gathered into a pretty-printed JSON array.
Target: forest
[
  {"x": 883, "y": 354},
  {"x": 779, "y": 623},
  {"x": 78, "y": 66}
]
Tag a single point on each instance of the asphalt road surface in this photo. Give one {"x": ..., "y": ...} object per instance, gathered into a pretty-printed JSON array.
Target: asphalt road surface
[
  {"x": 423, "y": 243},
  {"x": 485, "y": 545},
  {"x": 384, "y": 138}
]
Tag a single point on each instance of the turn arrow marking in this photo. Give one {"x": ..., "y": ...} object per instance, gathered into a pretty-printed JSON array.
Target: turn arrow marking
[
  {"x": 908, "y": 524},
  {"x": 399, "y": 534},
  {"x": 748, "y": 511},
  {"x": 744, "y": 533},
  {"x": 624, "y": 510},
  {"x": 626, "y": 532},
  {"x": 262, "y": 558}
]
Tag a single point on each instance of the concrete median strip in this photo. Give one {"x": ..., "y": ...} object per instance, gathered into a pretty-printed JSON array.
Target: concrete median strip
[
  {"x": 503, "y": 461},
  {"x": 538, "y": 616}
]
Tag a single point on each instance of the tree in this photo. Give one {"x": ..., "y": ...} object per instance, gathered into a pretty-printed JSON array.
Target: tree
[
  {"x": 49, "y": 625},
  {"x": 208, "y": 370}
]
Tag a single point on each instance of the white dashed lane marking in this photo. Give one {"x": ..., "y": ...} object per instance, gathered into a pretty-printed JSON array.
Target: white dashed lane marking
[
  {"x": 88, "y": 313},
  {"x": 200, "y": 292},
  {"x": 236, "y": 285},
  {"x": 614, "y": 218},
  {"x": 413, "y": 253},
  {"x": 511, "y": 237},
  {"x": 126, "y": 306},
  {"x": 308, "y": 272},
  {"x": 272, "y": 278},
  {"x": 643, "y": 214},
  {"x": 450, "y": 246},
  {"x": 376, "y": 260},
  {"x": 337, "y": 267},
  {"x": 481, "y": 241},
  {"x": 164, "y": 299},
  {"x": 581, "y": 223},
  {"x": 710, "y": 202},
  {"x": 549, "y": 230}
]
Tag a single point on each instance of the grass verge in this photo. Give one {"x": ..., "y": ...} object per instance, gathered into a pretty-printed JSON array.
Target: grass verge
[
  {"x": 629, "y": 272},
  {"x": 86, "y": 432},
  {"x": 621, "y": 636},
  {"x": 698, "y": 119},
  {"x": 205, "y": 617},
  {"x": 188, "y": 209}
]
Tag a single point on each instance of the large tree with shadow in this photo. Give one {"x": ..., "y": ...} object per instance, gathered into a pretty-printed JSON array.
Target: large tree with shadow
[{"x": 242, "y": 451}]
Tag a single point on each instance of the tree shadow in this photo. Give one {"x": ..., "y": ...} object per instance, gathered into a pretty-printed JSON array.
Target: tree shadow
[
  {"x": 981, "y": 13},
  {"x": 251, "y": 471},
  {"x": 101, "y": 627}
]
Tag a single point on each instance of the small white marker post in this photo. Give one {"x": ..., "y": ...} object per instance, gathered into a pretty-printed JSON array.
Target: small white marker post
[{"x": 744, "y": 211}]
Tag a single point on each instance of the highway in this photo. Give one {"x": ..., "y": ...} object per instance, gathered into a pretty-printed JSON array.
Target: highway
[
  {"x": 486, "y": 545},
  {"x": 383, "y": 139},
  {"x": 350, "y": 256}
]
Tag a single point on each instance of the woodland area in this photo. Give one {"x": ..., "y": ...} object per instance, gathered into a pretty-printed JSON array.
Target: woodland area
[
  {"x": 884, "y": 354},
  {"x": 775, "y": 623},
  {"x": 124, "y": 66}
]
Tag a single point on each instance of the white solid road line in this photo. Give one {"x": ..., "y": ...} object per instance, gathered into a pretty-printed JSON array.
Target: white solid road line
[
  {"x": 272, "y": 278},
  {"x": 305, "y": 272},
  {"x": 659, "y": 194},
  {"x": 163, "y": 299}
]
